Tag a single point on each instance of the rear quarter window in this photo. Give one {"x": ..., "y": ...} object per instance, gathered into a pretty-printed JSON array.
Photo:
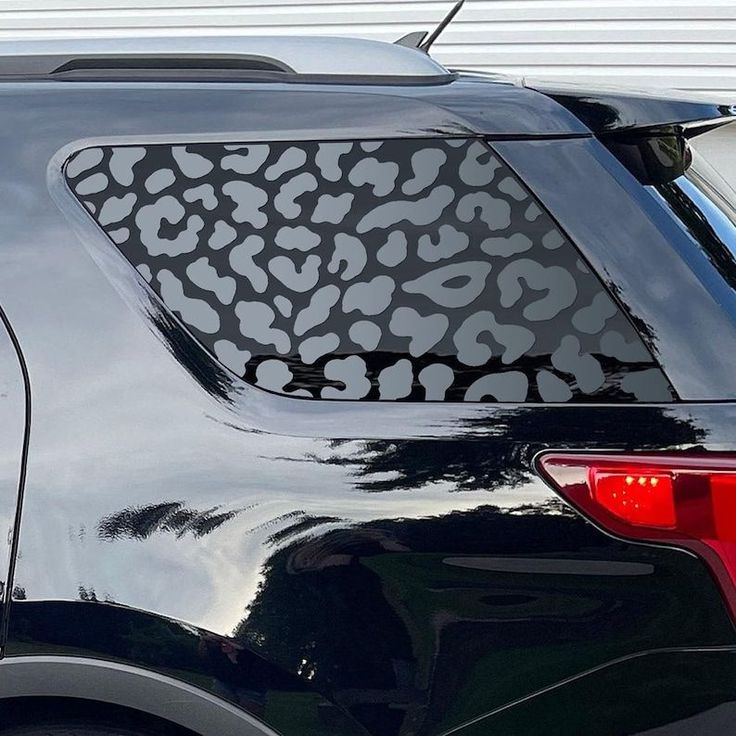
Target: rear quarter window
[{"x": 402, "y": 270}]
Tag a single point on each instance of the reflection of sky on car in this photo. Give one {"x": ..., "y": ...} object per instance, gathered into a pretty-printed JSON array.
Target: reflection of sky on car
[{"x": 152, "y": 435}]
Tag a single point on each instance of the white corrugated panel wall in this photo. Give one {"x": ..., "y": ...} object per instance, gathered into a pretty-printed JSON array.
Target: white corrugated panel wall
[
  {"x": 652, "y": 43},
  {"x": 644, "y": 43}
]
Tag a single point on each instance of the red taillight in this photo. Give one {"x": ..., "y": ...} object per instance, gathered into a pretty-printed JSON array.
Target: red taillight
[
  {"x": 688, "y": 501},
  {"x": 641, "y": 497}
]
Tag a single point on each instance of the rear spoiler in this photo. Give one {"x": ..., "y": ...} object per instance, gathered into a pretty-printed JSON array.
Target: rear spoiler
[{"x": 647, "y": 131}]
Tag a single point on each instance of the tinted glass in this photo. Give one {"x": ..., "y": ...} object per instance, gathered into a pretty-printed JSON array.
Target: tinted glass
[{"x": 395, "y": 270}]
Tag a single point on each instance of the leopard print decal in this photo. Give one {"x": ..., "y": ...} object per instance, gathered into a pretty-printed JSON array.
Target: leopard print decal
[{"x": 395, "y": 270}]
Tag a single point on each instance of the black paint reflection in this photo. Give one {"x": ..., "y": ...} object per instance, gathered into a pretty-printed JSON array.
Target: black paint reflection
[
  {"x": 415, "y": 623},
  {"x": 404, "y": 625},
  {"x": 660, "y": 694},
  {"x": 215, "y": 663}
]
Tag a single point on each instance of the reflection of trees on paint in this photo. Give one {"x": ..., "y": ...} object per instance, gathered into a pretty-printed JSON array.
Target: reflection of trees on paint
[
  {"x": 374, "y": 615},
  {"x": 140, "y": 522},
  {"x": 291, "y": 525},
  {"x": 189, "y": 353},
  {"x": 500, "y": 457}
]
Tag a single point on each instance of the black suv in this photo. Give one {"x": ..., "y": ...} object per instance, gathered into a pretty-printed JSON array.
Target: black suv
[{"x": 346, "y": 395}]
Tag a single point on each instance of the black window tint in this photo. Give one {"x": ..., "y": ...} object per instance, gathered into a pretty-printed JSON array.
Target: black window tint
[{"x": 397, "y": 270}]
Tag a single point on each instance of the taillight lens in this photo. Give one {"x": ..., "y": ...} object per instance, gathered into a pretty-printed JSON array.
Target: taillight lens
[{"x": 687, "y": 501}]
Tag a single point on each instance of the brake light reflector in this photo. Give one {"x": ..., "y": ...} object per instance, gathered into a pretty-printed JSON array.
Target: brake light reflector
[{"x": 685, "y": 500}]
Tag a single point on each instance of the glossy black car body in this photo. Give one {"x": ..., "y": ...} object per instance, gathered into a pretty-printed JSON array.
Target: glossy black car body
[{"x": 267, "y": 564}]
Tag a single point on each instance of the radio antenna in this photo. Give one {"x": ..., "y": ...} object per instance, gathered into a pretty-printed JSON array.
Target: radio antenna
[{"x": 441, "y": 27}]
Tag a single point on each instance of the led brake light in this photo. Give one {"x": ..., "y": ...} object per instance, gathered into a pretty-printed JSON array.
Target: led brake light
[{"x": 685, "y": 500}]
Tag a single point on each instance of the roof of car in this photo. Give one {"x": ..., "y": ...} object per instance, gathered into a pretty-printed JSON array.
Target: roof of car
[{"x": 284, "y": 56}]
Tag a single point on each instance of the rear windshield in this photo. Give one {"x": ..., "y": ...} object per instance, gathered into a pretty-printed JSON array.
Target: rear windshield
[{"x": 704, "y": 197}]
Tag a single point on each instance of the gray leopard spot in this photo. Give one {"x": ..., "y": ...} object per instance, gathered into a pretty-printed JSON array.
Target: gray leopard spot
[
  {"x": 515, "y": 339},
  {"x": 394, "y": 250},
  {"x": 557, "y": 281},
  {"x": 285, "y": 201},
  {"x": 614, "y": 345},
  {"x": 496, "y": 213},
  {"x": 647, "y": 385},
  {"x": 116, "y": 208},
  {"x": 366, "y": 334},
  {"x": 512, "y": 386},
  {"x": 256, "y": 319},
  {"x": 436, "y": 379},
  {"x": 248, "y": 201},
  {"x": 505, "y": 247},
  {"x": 83, "y": 161},
  {"x": 246, "y": 162},
  {"x": 222, "y": 235},
  {"x": 581, "y": 266},
  {"x": 297, "y": 279},
  {"x": 91, "y": 207},
  {"x": 313, "y": 348},
  {"x": 479, "y": 166},
  {"x": 510, "y": 186},
  {"x": 426, "y": 165},
  {"x": 450, "y": 242},
  {"x": 369, "y": 297},
  {"x": 318, "y": 309},
  {"x": 145, "y": 270},
  {"x": 194, "y": 312},
  {"x": 418, "y": 212},
  {"x": 274, "y": 375},
  {"x": 455, "y": 142},
  {"x": 120, "y": 235},
  {"x": 92, "y": 185},
  {"x": 395, "y": 381},
  {"x": 381, "y": 175},
  {"x": 159, "y": 180},
  {"x": 371, "y": 146},
  {"x": 297, "y": 238},
  {"x": 291, "y": 159},
  {"x": 424, "y": 332},
  {"x": 350, "y": 251},
  {"x": 204, "y": 193},
  {"x": 552, "y": 240},
  {"x": 332, "y": 208},
  {"x": 202, "y": 274},
  {"x": 440, "y": 285},
  {"x": 586, "y": 369},
  {"x": 328, "y": 159},
  {"x": 231, "y": 356},
  {"x": 349, "y": 371},
  {"x": 592, "y": 319},
  {"x": 283, "y": 305},
  {"x": 149, "y": 219},
  {"x": 552, "y": 387},
  {"x": 122, "y": 162},
  {"x": 532, "y": 213},
  {"x": 241, "y": 261},
  {"x": 192, "y": 165}
]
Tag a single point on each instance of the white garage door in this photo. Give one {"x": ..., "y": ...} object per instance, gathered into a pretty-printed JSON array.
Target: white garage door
[{"x": 652, "y": 43}]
